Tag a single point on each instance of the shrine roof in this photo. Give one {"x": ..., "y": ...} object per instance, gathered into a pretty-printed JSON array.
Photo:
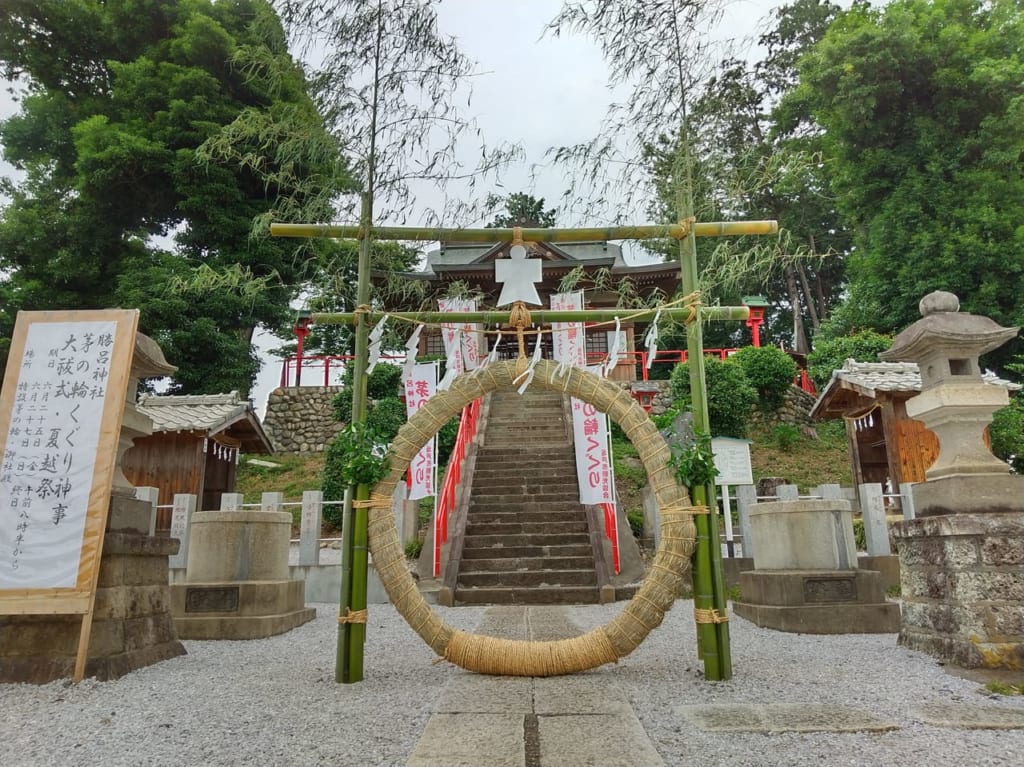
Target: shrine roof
[
  {"x": 857, "y": 384},
  {"x": 209, "y": 413},
  {"x": 451, "y": 253}
]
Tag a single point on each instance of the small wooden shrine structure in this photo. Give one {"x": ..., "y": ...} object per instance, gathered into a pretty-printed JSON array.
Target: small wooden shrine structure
[
  {"x": 194, "y": 447},
  {"x": 886, "y": 445},
  {"x": 473, "y": 264}
]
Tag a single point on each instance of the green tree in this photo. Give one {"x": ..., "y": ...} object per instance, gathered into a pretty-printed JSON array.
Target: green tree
[
  {"x": 753, "y": 161},
  {"x": 730, "y": 395},
  {"x": 922, "y": 103},
  {"x": 121, "y": 99},
  {"x": 829, "y": 354},
  {"x": 770, "y": 371},
  {"x": 520, "y": 210}
]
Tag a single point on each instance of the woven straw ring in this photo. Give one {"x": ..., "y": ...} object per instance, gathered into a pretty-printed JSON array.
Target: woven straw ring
[{"x": 492, "y": 655}]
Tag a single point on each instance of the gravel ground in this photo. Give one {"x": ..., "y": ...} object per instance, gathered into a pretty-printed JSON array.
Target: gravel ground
[{"x": 274, "y": 701}]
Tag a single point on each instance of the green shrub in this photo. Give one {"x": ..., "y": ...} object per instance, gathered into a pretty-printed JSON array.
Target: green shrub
[
  {"x": 786, "y": 436},
  {"x": 636, "y": 523},
  {"x": 770, "y": 371},
  {"x": 351, "y": 458},
  {"x": 383, "y": 382},
  {"x": 386, "y": 417},
  {"x": 413, "y": 549},
  {"x": 729, "y": 395},
  {"x": 859, "y": 538},
  {"x": 830, "y": 354},
  {"x": 1006, "y": 433}
]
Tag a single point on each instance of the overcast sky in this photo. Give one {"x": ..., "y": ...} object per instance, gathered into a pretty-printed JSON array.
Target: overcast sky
[{"x": 562, "y": 79}]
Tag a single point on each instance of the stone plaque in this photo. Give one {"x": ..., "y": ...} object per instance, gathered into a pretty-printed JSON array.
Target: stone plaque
[
  {"x": 216, "y": 599},
  {"x": 830, "y": 590}
]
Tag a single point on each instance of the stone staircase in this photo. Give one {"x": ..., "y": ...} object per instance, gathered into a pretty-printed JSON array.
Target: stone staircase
[{"x": 527, "y": 539}]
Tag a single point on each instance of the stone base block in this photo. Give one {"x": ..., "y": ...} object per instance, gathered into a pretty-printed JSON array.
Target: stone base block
[
  {"x": 969, "y": 494},
  {"x": 963, "y": 588},
  {"x": 817, "y": 602},
  {"x": 887, "y": 567},
  {"x": 132, "y": 625},
  {"x": 244, "y": 610}
]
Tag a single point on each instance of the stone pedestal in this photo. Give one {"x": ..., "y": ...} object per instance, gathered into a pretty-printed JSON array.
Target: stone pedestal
[
  {"x": 963, "y": 588},
  {"x": 805, "y": 578},
  {"x": 132, "y": 625},
  {"x": 237, "y": 583},
  {"x": 969, "y": 493}
]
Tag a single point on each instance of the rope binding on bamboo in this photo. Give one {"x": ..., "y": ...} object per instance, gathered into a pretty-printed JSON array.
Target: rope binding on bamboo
[{"x": 494, "y": 655}]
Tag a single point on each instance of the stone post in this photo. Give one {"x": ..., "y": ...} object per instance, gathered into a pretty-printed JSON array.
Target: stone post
[
  {"x": 787, "y": 493},
  {"x": 872, "y": 512},
  {"x": 272, "y": 502},
  {"x": 310, "y": 527},
  {"x": 150, "y": 495},
  {"x": 231, "y": 501},
  {"x": 746, "y": 499},
  {"x": 181, "y": 525}
]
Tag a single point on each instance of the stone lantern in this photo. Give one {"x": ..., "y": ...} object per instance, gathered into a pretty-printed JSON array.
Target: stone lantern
[{"x": 957, "y": 405}]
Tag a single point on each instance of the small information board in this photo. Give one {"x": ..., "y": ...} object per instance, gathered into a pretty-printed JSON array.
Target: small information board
[
  {"x": 60, "y": 419},
  {"x": 732, "y": 459}
]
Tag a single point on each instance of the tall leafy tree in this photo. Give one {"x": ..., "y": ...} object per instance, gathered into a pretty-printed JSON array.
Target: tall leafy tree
[
  {"x": 121, "y": 99},
  {"x": 751, "y": 161},
  {"x": 922, "y": 102},
  {"x": 520, "y": 209}
]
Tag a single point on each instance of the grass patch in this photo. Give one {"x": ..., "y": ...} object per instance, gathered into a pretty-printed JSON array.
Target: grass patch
[
  {"x": 1004, "y": 688},
  {"x": 293, "y": 475},
  {"x": 802, "y": 460}
]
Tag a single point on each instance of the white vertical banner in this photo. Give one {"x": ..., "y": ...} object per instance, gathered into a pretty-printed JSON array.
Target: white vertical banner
[
  {"x": 593, "y": 455},
  {"x": 569, "y": 342},
  {"x": 474, "y": 347},
  {"x": 450, "y": 335},
  {"x": 420, "y": 386}
]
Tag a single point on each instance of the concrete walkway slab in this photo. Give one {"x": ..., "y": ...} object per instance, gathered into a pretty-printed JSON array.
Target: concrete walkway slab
[
  {"x": 782, "y": 717},
  {"x": 971, "y": 717},
  {"x": 471, "y": 693},
  {"x": 579, "y": 694},
  {"x": 471, "y": 740},
  {"x": 595, "y": 740}
]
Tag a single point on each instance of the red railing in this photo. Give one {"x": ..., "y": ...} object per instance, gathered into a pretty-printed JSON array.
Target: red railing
[
  {"x": 452, "y": 476},
  {"x": 611, "y": 532}
]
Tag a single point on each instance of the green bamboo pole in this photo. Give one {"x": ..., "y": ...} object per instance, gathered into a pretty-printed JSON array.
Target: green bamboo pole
[
  {"x": 713, "y": 639},
  {"x": 341, "y": 656},
  {"x": 343, "y": 671},
  {"x": 538, "y": 316},
  {"x": 357, "y": 630},
  {"x": 577, "y": 234},
  {"x": 703, "y": 590}
]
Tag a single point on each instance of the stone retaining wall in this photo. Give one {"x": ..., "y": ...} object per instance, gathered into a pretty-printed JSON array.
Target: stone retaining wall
[{"x": 300, "y": 419}]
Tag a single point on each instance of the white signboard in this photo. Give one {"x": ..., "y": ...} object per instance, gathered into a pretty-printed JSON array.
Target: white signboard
[
  {"x": 60, "y": 417},
  {"x": 732, "y": 459}
]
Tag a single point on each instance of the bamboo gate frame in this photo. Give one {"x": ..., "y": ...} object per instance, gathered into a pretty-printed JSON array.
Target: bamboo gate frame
[{"x": 708, "y": 579}]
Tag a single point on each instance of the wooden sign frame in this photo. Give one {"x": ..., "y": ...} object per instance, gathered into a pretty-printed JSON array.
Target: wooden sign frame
[{"x": 111, "y": 374}]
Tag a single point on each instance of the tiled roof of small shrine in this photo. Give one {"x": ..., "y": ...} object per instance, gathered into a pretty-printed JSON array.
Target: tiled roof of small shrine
[
  {"x": 869, "y": 378},
  {"x": 209, "y": 413}
]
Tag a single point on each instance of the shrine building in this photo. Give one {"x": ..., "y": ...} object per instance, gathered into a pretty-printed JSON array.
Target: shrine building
[{"x": 473, "y": 264}]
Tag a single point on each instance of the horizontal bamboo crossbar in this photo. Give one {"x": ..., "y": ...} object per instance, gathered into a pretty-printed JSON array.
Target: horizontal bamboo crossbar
[
  {"x": 538, "y": 316},
  {"x": 580, "y": 234}
]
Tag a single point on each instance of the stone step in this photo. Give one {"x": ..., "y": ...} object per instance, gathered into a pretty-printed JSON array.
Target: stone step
[
  {"x": 499, "y": 550},
  {"x": 554, "y": 595},
  {"x": 525, "y": 539},
  {"x": 516, "y": 468},
  {"x": 527, "y": 579},
  {"x": 504, "y": 517},
  {"x": 502, "y": 482},
  {"x": 561, "y": 527},
  {"x": 527, "y": 451},
  {"x": 485, "y": 506},
  {"x": 527, "y": 564},
  {"x": 506, "y": 495}
]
